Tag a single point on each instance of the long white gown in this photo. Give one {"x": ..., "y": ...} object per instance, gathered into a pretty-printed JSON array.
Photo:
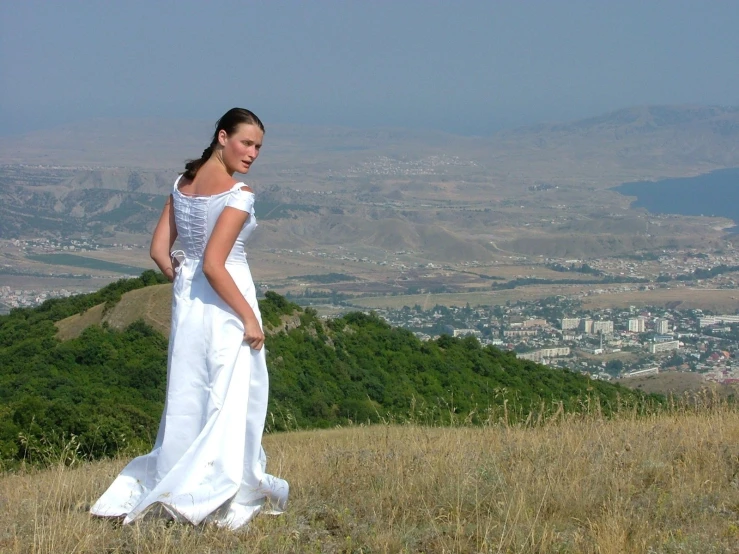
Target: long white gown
[{"x": 207, "y": 463}]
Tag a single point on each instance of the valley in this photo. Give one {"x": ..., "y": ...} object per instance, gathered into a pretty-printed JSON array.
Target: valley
[{"x": 400, "y": 212}]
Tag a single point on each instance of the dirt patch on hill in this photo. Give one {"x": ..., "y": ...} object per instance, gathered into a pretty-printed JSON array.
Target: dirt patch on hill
[
  {"x": 152, "y": 304},
  {"x": 676, "y": 383}
]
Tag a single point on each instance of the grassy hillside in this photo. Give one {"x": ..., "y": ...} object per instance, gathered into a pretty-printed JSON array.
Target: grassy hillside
[
  {"x": 575, "y": 484},
  {"x": 104, "y": 385},
  {"x": 357, "y": 368},
  {"x": 150, "y": 304}
]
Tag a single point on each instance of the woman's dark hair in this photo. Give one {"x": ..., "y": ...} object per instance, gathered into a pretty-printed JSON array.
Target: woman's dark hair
[{"x": 228, "y": 122}]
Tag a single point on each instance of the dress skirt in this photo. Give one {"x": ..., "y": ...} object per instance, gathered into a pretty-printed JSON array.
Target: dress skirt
[{"x": 207, "y": 464}]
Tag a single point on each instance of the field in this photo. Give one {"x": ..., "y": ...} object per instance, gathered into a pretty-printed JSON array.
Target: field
[
  {"x": 136, "y": 257},
  {"x": 72, "y": 260},
  {"x": 651, "y": 484},
  {"x": 79, "y": 286},
  {"x": 718, "y": 300},
  {"x": 496, "y": 297},
  {"x": 677, "y": 383}
]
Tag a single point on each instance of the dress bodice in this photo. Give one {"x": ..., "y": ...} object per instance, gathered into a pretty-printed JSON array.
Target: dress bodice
[{"x": 196, "y": 216}]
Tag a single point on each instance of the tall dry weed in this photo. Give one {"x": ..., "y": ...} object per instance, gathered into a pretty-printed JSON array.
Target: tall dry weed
[{"x": 555, "y": 482}]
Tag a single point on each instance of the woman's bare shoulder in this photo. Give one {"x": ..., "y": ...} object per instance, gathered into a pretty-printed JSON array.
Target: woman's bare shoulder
[
  {"x": 207, "y": 183},
  {"x": 243, "y": 186}
]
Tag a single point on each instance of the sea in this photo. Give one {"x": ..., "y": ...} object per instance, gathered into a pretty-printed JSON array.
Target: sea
[{"x": 711, "y": 194}]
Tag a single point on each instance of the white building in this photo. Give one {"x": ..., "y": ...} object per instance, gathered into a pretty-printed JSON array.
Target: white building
[
  {"x": 570, "y": 323},
  {"x": 658, "y": 347},
  {"x": 714, "y": 320},
  {"x": 544, "y": 353},
  {"x": 534, "y": 323},
  {"x": 637, "y": 325},
  {"x": 594, "y": 351},
  {"x": 603, "y": 327},
  {"x": 662, "y": 326},
  {"x": 466, "y": 332},
  {"x": 642, "y": 372},
  {"x": 520, "y": 332}
]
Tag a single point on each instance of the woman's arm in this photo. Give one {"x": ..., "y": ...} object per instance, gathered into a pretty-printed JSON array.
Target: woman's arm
[
  {"x": 162, "y": 240},
  {"x": 220, "y": 243}
]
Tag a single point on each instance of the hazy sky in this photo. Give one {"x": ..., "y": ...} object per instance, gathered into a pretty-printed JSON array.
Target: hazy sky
[{"x": 465, "y": 67}]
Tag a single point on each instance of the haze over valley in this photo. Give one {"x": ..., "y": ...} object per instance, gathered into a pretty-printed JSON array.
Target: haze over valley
[
  {"x": 380, "y": 219},
  {"x": 377, "y": 203}
]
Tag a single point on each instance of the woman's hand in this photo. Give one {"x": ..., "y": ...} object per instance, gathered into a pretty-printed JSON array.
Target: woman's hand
[{"x": 253, "y": 335}]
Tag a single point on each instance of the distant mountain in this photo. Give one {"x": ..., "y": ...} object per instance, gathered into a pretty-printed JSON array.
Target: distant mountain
[
  {"x": 645, "y": 119},
  {"x": 113, "y": 143},
  {"x": 702, "y": 133},
  {"x": 167, "y": 143},
  {"x": 444, "y": 197},
  {"x": 646, "y": 142}
]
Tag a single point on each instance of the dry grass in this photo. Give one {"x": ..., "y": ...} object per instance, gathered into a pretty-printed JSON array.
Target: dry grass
[
  {"x": 72, "y": 326},
  {"x": 721, "y": 300},
  {"x": 491, "y": 298},
  {"x": 679, "y": 384},
  {"x": 653, "y": 484},
  {"x": 138, "y": 257},
  {"x": 152, "y": 304},
  {"x": 684, "y": 298}
]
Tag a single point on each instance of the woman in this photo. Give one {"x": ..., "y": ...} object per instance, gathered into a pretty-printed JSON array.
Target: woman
[{"x": 207, "y": 463}]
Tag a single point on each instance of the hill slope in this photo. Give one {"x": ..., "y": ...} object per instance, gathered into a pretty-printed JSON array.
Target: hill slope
[
  {"x": 151, "y": 304},
  {"x": 644, "y": 140},
  {"x": 662, "y": 484},
  {"x": 679, "y": 384},
  {"x": 106, "y": 384}
]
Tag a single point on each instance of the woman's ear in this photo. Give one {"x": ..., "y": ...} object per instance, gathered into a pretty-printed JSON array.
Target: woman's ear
[{"x": 222, "y": 136}]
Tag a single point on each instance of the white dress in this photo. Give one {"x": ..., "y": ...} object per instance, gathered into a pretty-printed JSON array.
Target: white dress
[{"x": 207, "y": 463}]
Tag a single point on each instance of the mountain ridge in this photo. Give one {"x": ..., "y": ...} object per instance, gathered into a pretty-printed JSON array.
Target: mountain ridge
[
  {"x": 161, "y": 137},
  {"x": 370, "y": 189}
]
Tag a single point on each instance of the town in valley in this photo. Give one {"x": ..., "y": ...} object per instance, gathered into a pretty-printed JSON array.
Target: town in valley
[{"x": 525, "y": 240}]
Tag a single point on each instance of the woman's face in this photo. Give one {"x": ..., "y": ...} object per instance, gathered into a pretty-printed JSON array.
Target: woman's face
[{"x": 241, "y": 148}]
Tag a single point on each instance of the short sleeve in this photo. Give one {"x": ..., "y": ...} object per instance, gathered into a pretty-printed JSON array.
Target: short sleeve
[{"x": 241, "y": 200}]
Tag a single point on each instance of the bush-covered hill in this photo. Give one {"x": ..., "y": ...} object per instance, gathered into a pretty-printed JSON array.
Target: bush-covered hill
[{"x": 106, "y": 386}]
